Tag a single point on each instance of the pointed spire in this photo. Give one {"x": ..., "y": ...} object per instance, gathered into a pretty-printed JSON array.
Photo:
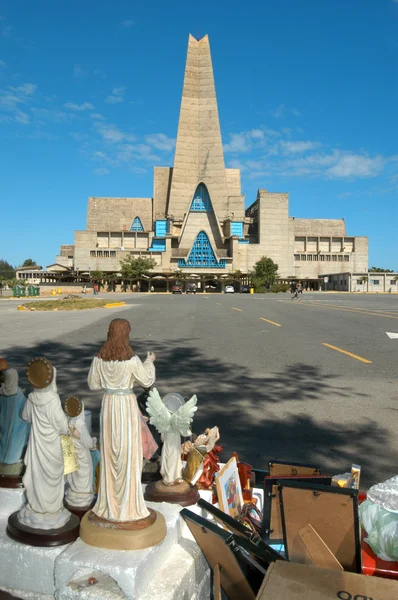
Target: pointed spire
[{"x": 199, "y": 155}]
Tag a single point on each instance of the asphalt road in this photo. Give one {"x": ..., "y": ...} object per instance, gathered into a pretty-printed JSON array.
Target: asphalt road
[{"x": 258, "y": 364}]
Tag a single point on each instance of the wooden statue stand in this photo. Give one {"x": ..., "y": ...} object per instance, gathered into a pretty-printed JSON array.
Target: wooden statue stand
[
  {"x": 79, "y": 511},
  {"x": 123, "y": 535},
  {"x": 11, "y": 475},
  {"x": 11, "y": 481},
  {"x": 43, "y": 537},
  {"x": 180, "y": 493}
]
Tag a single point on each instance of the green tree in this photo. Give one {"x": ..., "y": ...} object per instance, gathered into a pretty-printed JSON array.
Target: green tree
[
  {"x": 29, "y": 263},
  {"x": 7, "y": 271},
  {"x": 97, "y": 276},
  {"x": 264, "y": 273},
  {"x": 379, "y": 270},
  {"x": 133, "y": 268}
]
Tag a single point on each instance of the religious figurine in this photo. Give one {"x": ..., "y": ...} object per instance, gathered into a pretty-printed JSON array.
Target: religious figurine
[
  {"x": 120, "y": 515},
  {"x": 80, "y": 493},
  {"x": 44, "y": 475},
  {"x": 14, "y": 431},
  {"x": 202, "y": 458},
  {"x": 172, "y": 417}
]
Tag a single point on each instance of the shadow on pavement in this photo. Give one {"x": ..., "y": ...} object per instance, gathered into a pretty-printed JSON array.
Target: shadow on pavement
[{"x": 240, "y": 403}]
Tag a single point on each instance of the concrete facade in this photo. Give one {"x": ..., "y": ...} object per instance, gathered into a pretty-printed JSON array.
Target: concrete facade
[{"x": 196, "y": 220}]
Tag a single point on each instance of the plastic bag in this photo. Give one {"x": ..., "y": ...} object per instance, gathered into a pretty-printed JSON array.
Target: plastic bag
[{"x": 381, "y": 526}]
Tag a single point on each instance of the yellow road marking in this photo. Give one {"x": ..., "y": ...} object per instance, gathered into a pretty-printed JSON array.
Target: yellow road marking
[
  {"x": 272, "y": 322},
  {"x": 364, "y": 360},
  {"x": 354, "y": 310},
  {"x": 239, "y": 309}
]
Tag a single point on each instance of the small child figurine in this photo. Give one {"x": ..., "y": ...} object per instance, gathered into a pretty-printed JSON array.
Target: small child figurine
[{"x": 80, "y": 491}]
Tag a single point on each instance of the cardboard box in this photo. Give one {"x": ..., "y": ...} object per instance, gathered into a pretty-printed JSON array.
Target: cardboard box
[{"x": 289, "y": 581}]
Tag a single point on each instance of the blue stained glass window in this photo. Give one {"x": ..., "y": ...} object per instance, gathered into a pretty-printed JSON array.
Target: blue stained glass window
[
  {"x": 137, "y": 225},
  {"x": 202, "y": 255},
  {"x": 237, "y": 228},
  {"x": 201, "y": 201}
]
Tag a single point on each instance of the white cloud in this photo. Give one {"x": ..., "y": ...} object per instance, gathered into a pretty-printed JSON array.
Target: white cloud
[
  {"x": 79, "y": 72},
  {"x": 160, "y": 141},
  {"x": 111, "y": 133},
  {"x": 290, "y": 147},
  {"x": 127, "y": 24},
  {"x": 79, "y": 107},
  {"x": 101, "y": 171},
  {"x": 49, "y": 114},
  {"x": 356, "y": 166},
  {"x": 6, "y": 32},
  {"x": 296, "y": 112},
  {"x": 97, "y": 116},
  {"x": 243, "y": 141},
  {"x": 279, "y": 112},
  {"x": 3, "y": 64},
  {"x": 116, "y": 96},
  {"x": 11, "y": 99}
]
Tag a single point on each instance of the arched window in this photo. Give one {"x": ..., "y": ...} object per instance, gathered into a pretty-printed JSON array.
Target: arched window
[
  {"x": 201, "y": 200},
  {"x": 202, "y": 255},
  {"x": 137, "y": 225}
]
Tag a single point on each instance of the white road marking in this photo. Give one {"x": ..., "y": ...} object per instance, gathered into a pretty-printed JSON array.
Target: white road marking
[{"x": 392, "y": 336}]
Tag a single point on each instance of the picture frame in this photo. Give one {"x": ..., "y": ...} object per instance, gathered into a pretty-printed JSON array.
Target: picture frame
[
  {"x": 331, "y": 511},
  {"x": 229, "y": 490},
  {"x": 249, "y": 541},
  {"x": 234, "y": 569},
  {"x": 272, "y": 529},
  {"x": 286, "y": 468}
]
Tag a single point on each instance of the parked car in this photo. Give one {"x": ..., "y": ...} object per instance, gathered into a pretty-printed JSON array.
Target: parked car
[
  {"x": 177, "y": 289},
  {"x": 229, "y": 289},
  {"x": 245, "y": 289},
  {"x": 191, "y": 288}
]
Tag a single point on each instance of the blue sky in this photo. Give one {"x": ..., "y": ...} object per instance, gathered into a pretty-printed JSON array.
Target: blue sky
[{"x": 90, "y": 96}]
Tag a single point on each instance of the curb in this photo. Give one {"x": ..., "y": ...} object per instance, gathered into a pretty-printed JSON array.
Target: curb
[{"x": 113, "y": 304}]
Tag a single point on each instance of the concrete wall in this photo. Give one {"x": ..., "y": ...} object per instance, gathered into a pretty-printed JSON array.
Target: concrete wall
[
  {"x": 273, "y": 233},
  {"x": 161, "y": 189},
  {"x": 199, "y": 153},
  {"x": 327, "y": 227},
  {"x": 118, "y": 214}
]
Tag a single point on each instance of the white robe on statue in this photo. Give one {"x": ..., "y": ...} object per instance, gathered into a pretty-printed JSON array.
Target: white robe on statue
[
  {"x": 120, "y": 495},
  {"x": 170, "y": 461},
  {"x": 44, "y": 475},
  {"x": 80, "y": 492}
]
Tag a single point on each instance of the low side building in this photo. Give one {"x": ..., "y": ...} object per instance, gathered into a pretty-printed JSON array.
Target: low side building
[
  {"x": 196, "y": 222},
  {"x": 361, "y": 282}
]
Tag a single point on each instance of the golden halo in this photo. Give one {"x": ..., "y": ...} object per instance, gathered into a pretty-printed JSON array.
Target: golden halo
[{"x": 40, "y": 372}]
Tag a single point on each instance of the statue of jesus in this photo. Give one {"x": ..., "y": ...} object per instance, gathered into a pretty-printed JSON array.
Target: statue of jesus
[{"x": 115, "y": 369}]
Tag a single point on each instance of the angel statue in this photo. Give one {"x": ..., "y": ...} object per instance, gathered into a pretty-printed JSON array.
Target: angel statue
[{"x": 172, "y": 417}]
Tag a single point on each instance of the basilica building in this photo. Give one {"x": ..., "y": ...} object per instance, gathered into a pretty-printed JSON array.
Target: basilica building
[{"x": 196, "y": 221}]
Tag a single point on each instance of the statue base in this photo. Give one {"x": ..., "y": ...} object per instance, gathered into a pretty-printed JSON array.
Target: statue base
[
  {"x": 43, "y": 537},
  {"x": 79, "y": 511},
  {"x": 11, "y": 475},
  {"x": 123, "y": 535},
  {"x": 180, "y": 493},
  {"x": 11, "y": 481}
]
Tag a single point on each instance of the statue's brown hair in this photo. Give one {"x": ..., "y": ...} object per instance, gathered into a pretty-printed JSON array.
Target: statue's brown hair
[{"x": 117, "y": 346}]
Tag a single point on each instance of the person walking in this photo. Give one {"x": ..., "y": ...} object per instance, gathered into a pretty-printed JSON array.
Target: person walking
[{"x": 294, "y": 290}]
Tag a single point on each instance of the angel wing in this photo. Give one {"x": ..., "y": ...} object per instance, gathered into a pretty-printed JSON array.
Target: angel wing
[
  {"x": 182, "y": 418},
  {"x": 159, "y": 415}
]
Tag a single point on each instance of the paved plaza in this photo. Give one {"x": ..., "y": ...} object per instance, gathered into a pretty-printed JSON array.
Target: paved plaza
[{"x": 309, "y": 380}]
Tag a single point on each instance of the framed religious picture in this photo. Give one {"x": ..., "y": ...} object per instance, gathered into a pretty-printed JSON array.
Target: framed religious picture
[
  {"x": 234, "y": 569},
  {"x": 285, "y": 468},
  {"x": 272, "y": 531},
  {"x": 229, "y": 490},
  {"x": 322, "y": 517}
]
